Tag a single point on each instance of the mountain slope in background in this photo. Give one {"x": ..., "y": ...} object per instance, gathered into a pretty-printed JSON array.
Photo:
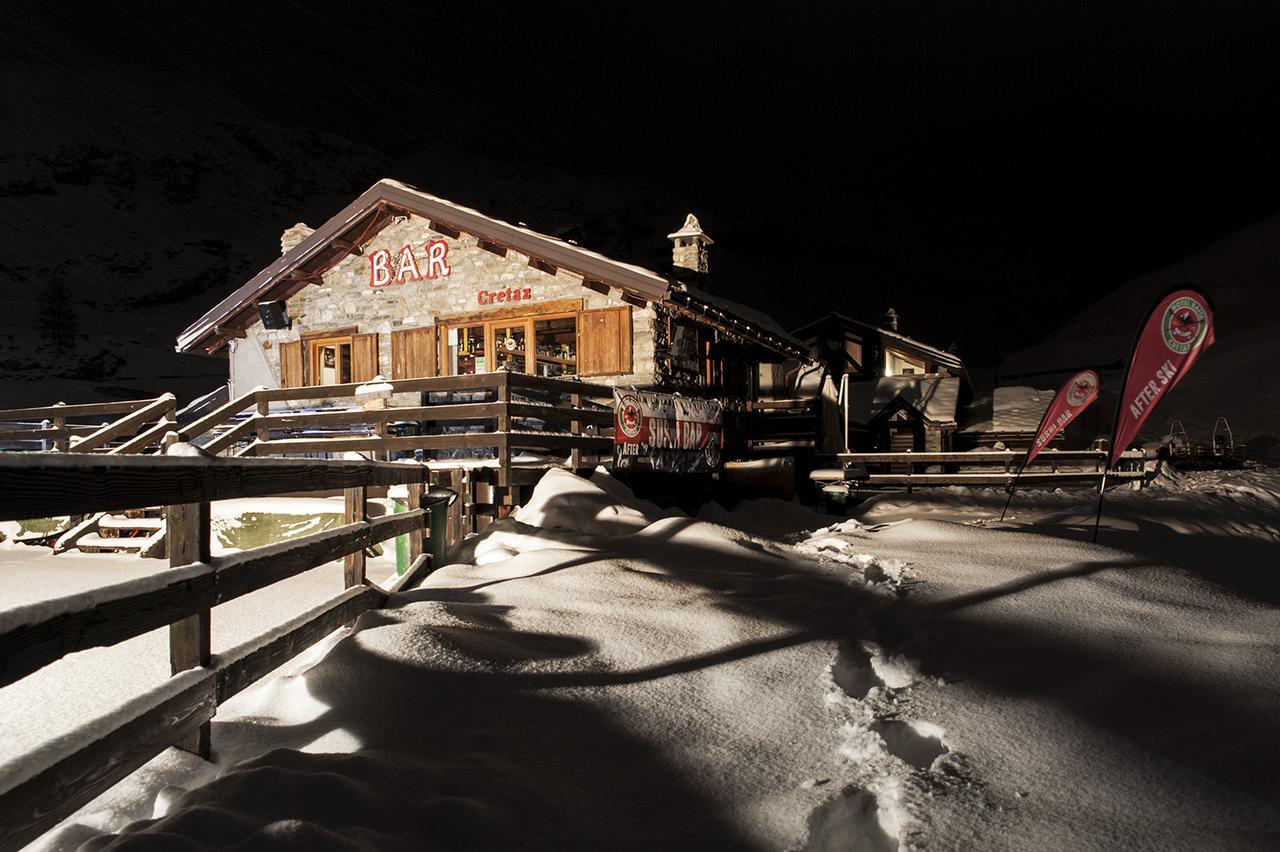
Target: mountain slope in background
[
  {"x": 153, "y": 213},
  {"x": 1234, "y": 378}
]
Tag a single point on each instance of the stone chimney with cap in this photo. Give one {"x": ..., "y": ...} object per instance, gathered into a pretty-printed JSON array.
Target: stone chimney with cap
[
  {"x": 890, "y": 320},
  {"x": 291, "y": 237},
  {"x": 689, "y": 246}
]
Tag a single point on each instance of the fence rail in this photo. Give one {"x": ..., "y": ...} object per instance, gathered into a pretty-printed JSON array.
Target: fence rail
[
  {"x": 994, "y": 468},
  {"x": 284, "y": 432},
  {"x": 144, "y": 424},
  {"x": 179, "y": 712}
]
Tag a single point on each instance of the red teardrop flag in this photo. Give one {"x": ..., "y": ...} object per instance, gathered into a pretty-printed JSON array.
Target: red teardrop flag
[
  {"x": 1178, "y": 329},
  {"x": 1076, "y": 395}
]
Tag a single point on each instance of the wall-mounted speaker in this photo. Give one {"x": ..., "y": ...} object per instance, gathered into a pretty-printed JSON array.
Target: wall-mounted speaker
[{"x": 274, "y": 316}]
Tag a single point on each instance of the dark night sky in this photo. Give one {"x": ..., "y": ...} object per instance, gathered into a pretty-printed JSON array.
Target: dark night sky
[{"x": 962, "y": 162}]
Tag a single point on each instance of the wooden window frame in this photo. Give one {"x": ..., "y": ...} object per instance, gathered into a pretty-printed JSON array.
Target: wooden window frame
[
  {"x": 505, "y": 318},
  {"x": 311, "y": 365}
]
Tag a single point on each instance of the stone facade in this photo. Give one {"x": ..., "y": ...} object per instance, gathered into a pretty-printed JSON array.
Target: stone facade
[{"x": 345, "y": 299}]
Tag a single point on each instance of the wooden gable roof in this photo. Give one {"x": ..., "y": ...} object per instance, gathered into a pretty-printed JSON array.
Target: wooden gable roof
[{"x": 368, "y": 214}]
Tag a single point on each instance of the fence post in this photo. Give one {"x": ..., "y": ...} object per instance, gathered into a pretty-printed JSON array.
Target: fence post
[
  {"x": 354, "y": 511},
  {"x": 416, "y": 537},
  {"x": 264, "y": 408},
  {"x": 575, "y": 428},
  {"x": 62, "y": 440},
  {"x": 187, "y": 537},
  {"x": 504, "y": 427}
]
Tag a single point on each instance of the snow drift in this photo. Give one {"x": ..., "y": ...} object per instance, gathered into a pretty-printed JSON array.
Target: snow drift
[{"x": 601, "y": 673}]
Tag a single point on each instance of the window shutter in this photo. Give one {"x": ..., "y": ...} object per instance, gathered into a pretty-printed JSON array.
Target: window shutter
[
  {"x": 291, "y": 365},
  {"x": 604, "y": 342},
  {"x": 413, "y": 353},
  {"x": 364, "y": 357}
]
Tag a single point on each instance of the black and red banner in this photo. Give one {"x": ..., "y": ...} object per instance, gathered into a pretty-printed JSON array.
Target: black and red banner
[{"x": 665, "y": 432}]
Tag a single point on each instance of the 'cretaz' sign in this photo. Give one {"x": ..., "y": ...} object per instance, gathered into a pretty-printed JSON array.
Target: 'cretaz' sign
[
  {"x": 659, "y": 431},
  {"x": 386, "y": 268}
]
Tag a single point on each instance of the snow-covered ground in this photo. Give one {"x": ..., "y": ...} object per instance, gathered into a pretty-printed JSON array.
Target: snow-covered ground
[{"x": 599, "y": 673}]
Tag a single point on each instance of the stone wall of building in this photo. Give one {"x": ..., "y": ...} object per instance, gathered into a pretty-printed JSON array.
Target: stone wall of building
[{"x": 346, "y": 299}]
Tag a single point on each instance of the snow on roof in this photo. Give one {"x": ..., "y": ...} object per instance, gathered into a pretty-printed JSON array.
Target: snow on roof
[
  {"x": 910, "y": 344},
  {"x": 750, "y": 314},
  {"x": 637, "y": 280},
  {"x": 934, "y": 399},
  {"x": 1015, "y": 408}
]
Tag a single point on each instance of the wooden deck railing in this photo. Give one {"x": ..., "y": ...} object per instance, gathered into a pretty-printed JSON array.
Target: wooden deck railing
[
  {"x": 178, "y": 713},
  {"x": 144, "y": 425},
  {"x": 580, "y": 429},
  {"x": 986, "y": 467}
]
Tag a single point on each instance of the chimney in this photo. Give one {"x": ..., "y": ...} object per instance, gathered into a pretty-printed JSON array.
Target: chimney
[
  {"x": 890, "y": 320},
  {"x": 290, "y": 238},
  {"x": 689, "y": 246}
]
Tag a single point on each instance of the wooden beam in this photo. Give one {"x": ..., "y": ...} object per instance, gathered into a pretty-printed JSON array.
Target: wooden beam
[
  {"x": 230, "y": 436},
  {"x": 444, "y": 228},
  {"x": 126, "y": 425},
  {"x": 564, "y": 386},
  {"x": 558, "y": 441},
  {"x": 354, "y": 511},
  {"x": 131, "y": 608},
  {"x": 88, "y": 409},
  {"x": 418, "y": 569},
  {"x": 218, "y": 416},
  {"x": 556, "y": 306},
  {"x": 542, "y": 266},
  {"x": 490, "y": 246},
  {"x": 445, "y": 411},
  {"x": 32, "y": 806},
  {"x": 293, "y": 446},
  {"x": 147, "y": 437},
  {"x": 190, "y": 643},
  {"x": 982, "y": 456},
  {"x": 431, "y": 384},
  {"x": 242, "y": 666},
  {"x": 598, "y": 286},
  {"x": 38, "y": 485},
  {"x": 417, "y": 538}
]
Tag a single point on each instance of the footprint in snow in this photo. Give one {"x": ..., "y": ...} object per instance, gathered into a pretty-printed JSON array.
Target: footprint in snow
[
  {"x": 918, "y": 744},
  {"x": 852, "y": 820},
  {"x": 852, "y": 671}
]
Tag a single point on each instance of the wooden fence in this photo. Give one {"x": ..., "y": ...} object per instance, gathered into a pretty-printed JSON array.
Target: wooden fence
[
  {"x": 178, "y": 713},
  {"x": 275, "y": 433},
  {"x": 993, "y": 468},
  {"x": 143, "y": 425}
]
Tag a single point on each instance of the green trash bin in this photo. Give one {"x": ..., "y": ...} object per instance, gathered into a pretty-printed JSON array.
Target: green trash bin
[{"x": 436, "y": 502}]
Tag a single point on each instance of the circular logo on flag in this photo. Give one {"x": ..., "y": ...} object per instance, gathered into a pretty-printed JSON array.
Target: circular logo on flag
[
  {"x": 629, "y": 415},
  {"x": 1184, "y": 324},
  {"x": 712, "y": 450},
  {"x": 1080, "y": 390}
]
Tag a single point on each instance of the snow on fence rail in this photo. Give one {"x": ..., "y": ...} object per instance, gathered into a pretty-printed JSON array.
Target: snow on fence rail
[
  {"x": 47, "y": 785},
  {"x": 993, "y": 468},
  {"x": 144, "y": 424}
]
